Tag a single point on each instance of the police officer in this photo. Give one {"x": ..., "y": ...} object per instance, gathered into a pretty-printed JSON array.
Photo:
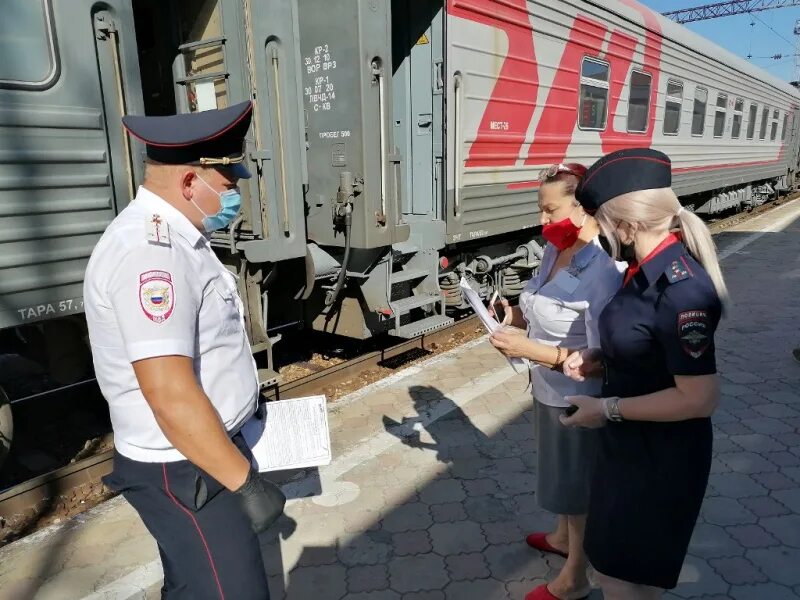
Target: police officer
[
  {"x": 174, "y": 363},
  {"x": 659, "y": 377}
]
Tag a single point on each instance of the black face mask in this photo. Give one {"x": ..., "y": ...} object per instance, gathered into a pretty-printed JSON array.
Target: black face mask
[{"x": 627, "y": 252}]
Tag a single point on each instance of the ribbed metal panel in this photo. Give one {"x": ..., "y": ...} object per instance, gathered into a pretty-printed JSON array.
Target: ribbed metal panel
[
  {"x": 57, "y": 192},
  {"x": 55, "y": 202}
]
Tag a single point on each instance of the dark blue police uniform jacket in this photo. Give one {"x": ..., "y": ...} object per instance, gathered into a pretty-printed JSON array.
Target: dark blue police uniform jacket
[{"x": 650, "y": 478}]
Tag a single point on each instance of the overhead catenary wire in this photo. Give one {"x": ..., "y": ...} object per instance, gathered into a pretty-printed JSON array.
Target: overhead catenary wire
[
  {"x": 768, "y": 26},
  {"x": 794, "y": 46}
]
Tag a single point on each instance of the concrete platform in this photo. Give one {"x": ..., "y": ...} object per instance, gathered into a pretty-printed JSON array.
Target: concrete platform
[{"x": 438, "y": 507}]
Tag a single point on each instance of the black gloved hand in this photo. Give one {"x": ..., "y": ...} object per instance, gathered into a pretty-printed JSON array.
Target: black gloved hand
[{"x": 262, "y": 500}]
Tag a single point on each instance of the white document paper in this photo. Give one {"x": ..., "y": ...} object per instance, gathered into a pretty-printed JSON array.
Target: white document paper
[
  {"x": 206, "y": 94},
  {"x": 293, "y": 434},
  {"x": 490, "y": 323}
]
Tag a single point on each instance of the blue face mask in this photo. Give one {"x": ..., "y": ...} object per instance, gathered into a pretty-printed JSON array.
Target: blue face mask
[{"x": 230, "y": 203}]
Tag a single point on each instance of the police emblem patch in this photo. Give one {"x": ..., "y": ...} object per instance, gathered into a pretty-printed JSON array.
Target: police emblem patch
[
  {"x": 156, "y": 295},
  {"x": 693, "y": 332}
]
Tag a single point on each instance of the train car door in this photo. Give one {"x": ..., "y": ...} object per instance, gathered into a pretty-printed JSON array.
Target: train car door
[
  {"x": 279, "y": 148},
  {"x": 209, "y": 68},
  {"x": 417, "y": 46},
  {"x": 207, "y": 54},
  {"x": 68, "y": 72}
]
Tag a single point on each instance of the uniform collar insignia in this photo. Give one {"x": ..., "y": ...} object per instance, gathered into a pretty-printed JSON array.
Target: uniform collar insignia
[
  {"x": 678, "y": 270},
  {"x": 171, "y": 219},
  {"x": 656, "y": 266},
  {"x": 157, "y": 229}
]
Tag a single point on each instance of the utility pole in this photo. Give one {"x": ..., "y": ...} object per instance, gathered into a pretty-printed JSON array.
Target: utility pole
[{"x": 796, "y": 57}]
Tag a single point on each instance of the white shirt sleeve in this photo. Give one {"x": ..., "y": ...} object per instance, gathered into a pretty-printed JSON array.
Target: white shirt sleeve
[
  {"x": 155, "y": 302},
  {"x": 605, "y": 284}
]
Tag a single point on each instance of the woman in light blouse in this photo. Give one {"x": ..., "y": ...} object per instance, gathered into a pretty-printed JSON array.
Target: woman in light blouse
[{"x": 558, "y": 310}]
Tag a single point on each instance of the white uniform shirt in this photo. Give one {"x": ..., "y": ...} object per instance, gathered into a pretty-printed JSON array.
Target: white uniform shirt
[
  {"x": 563, "y": 312},
  {"x": 157, "y": 289}
]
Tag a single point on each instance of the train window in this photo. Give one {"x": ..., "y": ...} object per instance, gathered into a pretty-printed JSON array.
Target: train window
[
  {"x": 720, "y": 114},
  {"x": 639, "y": 101},
  {"x": 751, "y": 123},
  {"x": 774, "y": 133},
  {"x": 783, "y": 129},
  {"x": 26, "y": 34},
  {"x": 699, "y": 111},
  {"x": 594, "y": 94},
  {"x": 764, "y": 118},
  {"x": 673, "y": 106},
  {"x": 736, "y": 128}
]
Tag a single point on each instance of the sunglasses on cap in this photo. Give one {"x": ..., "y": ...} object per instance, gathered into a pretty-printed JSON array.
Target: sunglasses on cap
[{"x": 553, "y": 170}]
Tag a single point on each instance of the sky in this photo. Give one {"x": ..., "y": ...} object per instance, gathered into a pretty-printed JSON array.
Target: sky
[{"x": 737, "y": 35}]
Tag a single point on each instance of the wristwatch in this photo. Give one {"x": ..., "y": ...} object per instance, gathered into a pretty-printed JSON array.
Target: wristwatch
[{"x": 611, "y": 409}]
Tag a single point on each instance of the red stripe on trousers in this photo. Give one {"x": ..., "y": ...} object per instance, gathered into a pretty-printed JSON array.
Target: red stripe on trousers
[{"x": 199, "y": 531}]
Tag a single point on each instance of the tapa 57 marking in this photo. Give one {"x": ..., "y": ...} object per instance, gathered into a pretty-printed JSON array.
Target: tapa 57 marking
[{"x": 68, "y": 306}]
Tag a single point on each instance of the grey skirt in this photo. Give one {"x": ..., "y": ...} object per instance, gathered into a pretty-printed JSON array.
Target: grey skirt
[{"x": 565, "y": 458}]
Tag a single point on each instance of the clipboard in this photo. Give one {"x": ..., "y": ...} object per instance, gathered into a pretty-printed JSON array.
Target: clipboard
[{"x": 289, "y": 434}]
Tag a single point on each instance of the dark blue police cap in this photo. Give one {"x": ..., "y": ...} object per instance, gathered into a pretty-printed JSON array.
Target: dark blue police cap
[
  {"x": 211, "y": 138},
  {"x": 622, "y": 172}
]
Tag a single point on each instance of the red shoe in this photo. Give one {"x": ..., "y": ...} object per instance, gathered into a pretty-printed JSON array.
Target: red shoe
[
  {"x": 543, "y": 593},
  {"x": 539, "y": 541}
]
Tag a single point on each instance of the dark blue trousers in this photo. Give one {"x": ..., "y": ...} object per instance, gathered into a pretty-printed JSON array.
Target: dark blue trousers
[{"x": 207, "y": 548}]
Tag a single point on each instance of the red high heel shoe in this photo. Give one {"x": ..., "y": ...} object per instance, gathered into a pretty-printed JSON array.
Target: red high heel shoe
[
  {"x": 543, "y": 593},
  {"x": 539, "y": 541}
]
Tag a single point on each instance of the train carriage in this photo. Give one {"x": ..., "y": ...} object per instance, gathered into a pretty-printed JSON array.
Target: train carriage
[
  {"x": 541, "y": 83},
  {"x": 396, "y": 144}
]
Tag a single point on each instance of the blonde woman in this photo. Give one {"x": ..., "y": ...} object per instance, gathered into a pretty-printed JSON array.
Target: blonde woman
[
  {"x": 660, "y": 387},
  {"x": 559, "y": 308}
]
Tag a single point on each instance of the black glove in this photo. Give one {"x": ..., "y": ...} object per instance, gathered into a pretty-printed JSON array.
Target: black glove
[{"x": 262, "y": 500}]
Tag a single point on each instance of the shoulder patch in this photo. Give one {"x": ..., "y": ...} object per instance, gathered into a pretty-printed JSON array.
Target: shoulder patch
[
  {"x": 694, "y": 332},
  {"x": 156, "y": 295},
  {"x": 678, "y": 270},
  {"x": 157, "y": 230}
]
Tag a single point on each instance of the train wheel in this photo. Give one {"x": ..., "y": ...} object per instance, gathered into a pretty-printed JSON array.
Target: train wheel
[{"x": 6, "y": 426}]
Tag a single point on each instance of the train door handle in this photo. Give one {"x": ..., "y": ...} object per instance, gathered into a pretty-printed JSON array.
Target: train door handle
[
  {"x": 438, "y": 76},
  {"x": 378, "y": 77},
  {"x": 458, "y": 166},
  {"x": 276, "y": 73},
  {"x": 424, "y": 124}
]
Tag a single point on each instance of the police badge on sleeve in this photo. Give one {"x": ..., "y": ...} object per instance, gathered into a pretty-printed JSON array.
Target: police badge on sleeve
[
  {"x": 693, "y": 331},
  {"x": 156, "y": 295}
]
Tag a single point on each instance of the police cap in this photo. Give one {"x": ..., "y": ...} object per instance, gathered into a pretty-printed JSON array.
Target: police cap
[
  {"x": 622, "y": 172},
  {"x": 211, "y": 138}
]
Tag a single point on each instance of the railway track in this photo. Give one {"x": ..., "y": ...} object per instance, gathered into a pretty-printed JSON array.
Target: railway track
[
  {"x": 27, "y": 499},
  {"x": 720, "y": 225}
]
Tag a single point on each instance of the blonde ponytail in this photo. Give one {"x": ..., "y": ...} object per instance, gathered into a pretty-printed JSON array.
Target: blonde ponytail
[
  {"x": 700, "y": 244},
  {"x": 660, "y": 210}
]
